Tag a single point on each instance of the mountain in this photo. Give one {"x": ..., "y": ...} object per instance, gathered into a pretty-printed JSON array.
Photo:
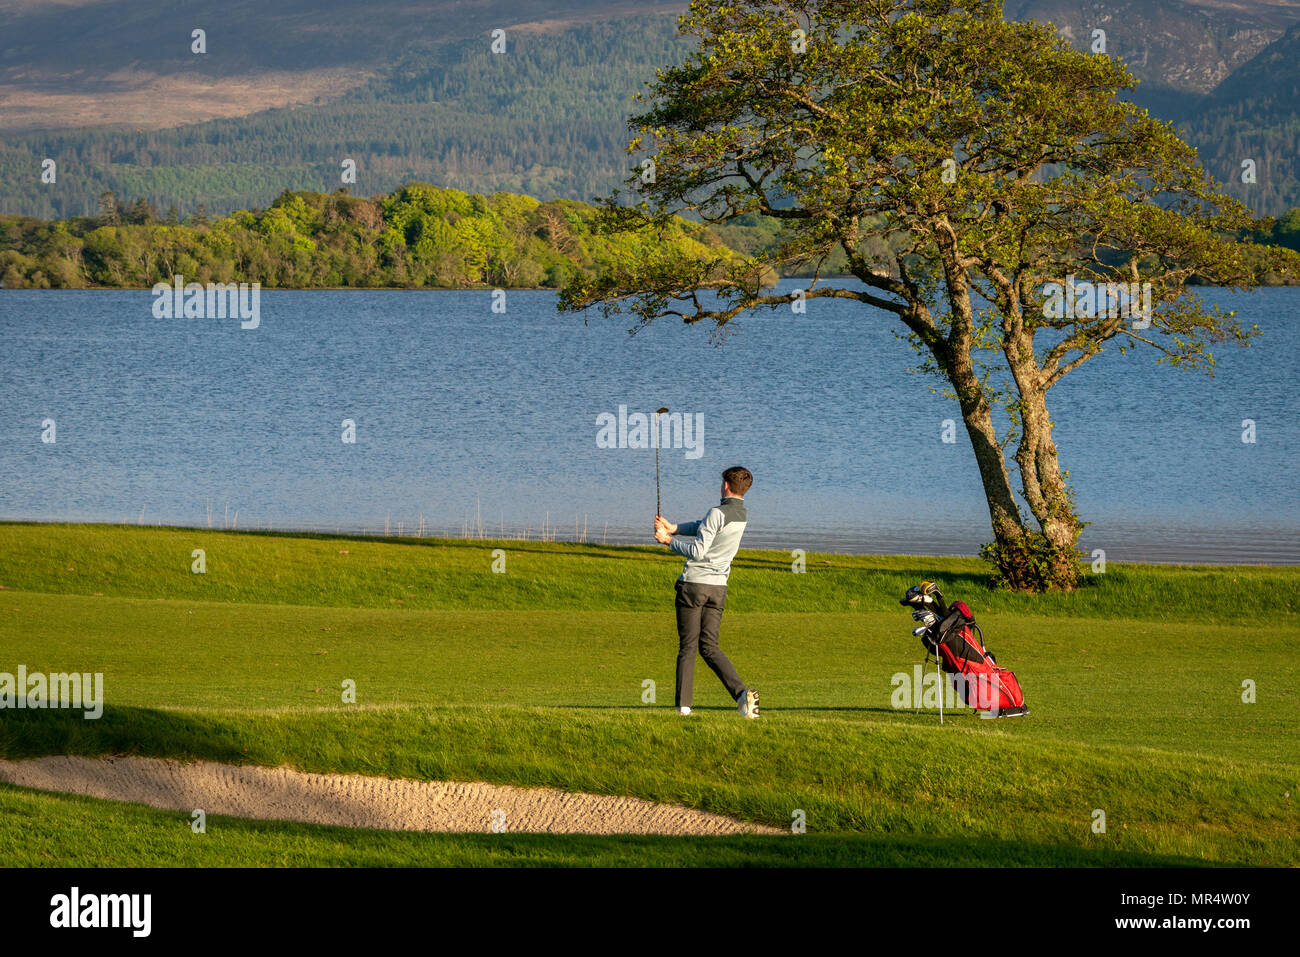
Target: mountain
[
  {"x": 548, "y": 118},
  {"x": 77, "y": 63},
  {"x": 1173, "y": 47},
  {"x": 409, "y": 91},
  {"x": 1254, "y": 115}
]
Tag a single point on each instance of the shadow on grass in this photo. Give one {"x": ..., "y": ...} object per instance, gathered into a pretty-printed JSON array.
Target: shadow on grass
[
  {"x": 237, "y": 739},
  {"x": 806, "y": 850},
  {"x": 212, "y": 737},
  {"x": 120, "y": 730}
]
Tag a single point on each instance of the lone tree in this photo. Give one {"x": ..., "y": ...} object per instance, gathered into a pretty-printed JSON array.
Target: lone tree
[{"x": 962, "y": 164}]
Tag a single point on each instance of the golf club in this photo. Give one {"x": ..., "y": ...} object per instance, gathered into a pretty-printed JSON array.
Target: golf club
[{"x": 658, "y": 505}]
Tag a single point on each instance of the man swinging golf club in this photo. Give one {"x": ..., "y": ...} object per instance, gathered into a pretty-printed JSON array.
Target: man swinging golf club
[{"x": 708, "y": 546}]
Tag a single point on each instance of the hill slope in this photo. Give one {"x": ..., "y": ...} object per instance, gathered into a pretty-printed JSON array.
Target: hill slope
[
  {"x": 547, "y": 118},
  {"x": 1254, "y": 114},
  {"x": 113, "y": 62}
]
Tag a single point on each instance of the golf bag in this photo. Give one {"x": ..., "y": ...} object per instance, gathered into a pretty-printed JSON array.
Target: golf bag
[{"x": 950, "y": 634}]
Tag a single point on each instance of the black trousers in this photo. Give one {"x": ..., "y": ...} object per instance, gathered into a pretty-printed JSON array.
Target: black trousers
[{"x": 699, "y": 616}]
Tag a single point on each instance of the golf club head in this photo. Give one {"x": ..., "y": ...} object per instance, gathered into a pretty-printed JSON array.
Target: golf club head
[
  {"x": 918, "y": 632},
  {"x": 915, "y": 597},
  {"x": 661, "y": 411},
  {"x": 925, "y": 594}
]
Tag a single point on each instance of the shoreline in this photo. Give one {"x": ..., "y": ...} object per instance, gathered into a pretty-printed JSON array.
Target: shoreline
[{"x": 824, "y": 277}]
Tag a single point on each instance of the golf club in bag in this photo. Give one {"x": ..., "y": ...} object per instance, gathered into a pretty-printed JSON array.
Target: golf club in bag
[{"x": 950, "y": 634}]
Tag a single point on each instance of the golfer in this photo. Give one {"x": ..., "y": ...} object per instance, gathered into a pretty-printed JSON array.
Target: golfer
[{"x": 708, "y": 545}]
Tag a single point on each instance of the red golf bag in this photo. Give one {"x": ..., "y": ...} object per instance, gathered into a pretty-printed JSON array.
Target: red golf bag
[
  {"x": 950, "y": 634},
  {"x": 958, "y": 643}
]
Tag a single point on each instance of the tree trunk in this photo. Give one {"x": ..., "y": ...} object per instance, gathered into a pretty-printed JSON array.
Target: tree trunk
[
  {"x": 1052, "y": 557},
  {"x": 1045, "y": 491},
  {"x": 1012, "y": 547}
]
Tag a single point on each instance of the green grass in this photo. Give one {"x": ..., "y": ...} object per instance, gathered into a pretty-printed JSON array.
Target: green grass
[
  {"x": 124, "y": 561},
  {"x": 535, "y": 678}
]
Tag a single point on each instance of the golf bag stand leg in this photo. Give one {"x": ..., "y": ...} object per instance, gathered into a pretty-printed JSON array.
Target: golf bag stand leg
[{"x": 920, "y": 692}]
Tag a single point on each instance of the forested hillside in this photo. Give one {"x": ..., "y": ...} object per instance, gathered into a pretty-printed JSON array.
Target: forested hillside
[
  {"x": 1254, "y": 115},
  {"x": 547, "y": 116}
]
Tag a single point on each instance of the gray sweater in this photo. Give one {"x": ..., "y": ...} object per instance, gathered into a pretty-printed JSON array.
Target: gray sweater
[{"x": 710, "y": 544}]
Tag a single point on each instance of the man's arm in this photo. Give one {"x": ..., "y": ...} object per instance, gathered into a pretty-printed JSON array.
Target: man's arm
[
  {"x": 694, "y": 544},
  {"x": 665, "y": 529}
]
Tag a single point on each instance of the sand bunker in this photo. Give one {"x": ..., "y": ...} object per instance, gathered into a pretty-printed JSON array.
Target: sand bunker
[{"x": 352, "y": 800}]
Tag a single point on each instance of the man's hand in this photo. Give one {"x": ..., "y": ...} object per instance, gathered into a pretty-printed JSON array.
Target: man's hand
[{"x": 664, "y": 530}]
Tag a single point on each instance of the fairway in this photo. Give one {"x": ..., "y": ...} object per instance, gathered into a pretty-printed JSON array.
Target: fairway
[{"x": 538, "y": 677}]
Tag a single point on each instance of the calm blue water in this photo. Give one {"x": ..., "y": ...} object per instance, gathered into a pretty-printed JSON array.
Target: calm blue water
[{"x": 464, "y": 416}]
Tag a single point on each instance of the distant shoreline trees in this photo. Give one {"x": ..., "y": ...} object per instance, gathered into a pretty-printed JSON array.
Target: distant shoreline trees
[{"x": 420, "y": 236}]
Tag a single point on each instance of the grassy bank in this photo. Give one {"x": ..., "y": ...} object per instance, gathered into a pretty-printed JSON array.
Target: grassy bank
[{"x": 125, "y": 561}]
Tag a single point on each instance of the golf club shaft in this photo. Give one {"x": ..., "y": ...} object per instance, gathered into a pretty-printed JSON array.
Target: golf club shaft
[
  {"x": 658, "y": 505},
  {"x": 659, "y": 508}
]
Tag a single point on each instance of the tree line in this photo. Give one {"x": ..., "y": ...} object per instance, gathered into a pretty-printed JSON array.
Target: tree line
[{"x": 419, "y": 236}]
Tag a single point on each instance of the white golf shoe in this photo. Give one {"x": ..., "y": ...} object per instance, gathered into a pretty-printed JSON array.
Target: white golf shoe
[
  {"x": 683, "y": 710},
  {"x": 747, "y": 703}
]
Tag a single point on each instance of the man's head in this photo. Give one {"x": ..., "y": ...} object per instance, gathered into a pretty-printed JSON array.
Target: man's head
[{"x": 736, "y": 481}]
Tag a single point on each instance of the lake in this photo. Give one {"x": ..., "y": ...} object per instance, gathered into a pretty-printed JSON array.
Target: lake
[{"x": 465, "y": 418}]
